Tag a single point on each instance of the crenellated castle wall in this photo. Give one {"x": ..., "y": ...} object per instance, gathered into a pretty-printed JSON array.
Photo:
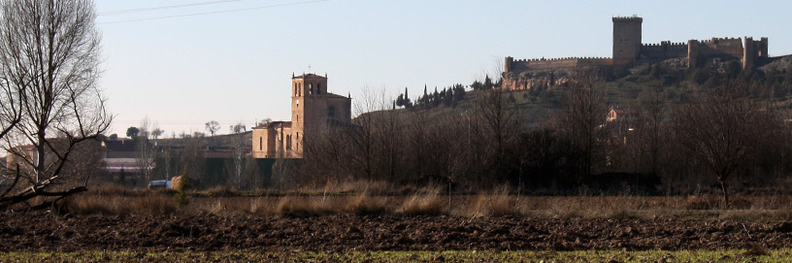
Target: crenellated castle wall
[
  {"x": 665, "y": 49},
  {"x": 716, "y": 47},
  {"x": 554, "y": 63}
]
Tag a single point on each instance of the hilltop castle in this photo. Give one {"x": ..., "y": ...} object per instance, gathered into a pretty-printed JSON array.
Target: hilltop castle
[
  {"x": 628, "y": 50},
  {"x": 313, "y": 109}
]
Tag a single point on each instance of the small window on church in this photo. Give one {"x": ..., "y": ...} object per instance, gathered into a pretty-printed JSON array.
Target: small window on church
[
  {"x": 331, "y": 112},
  {"x": 318, "y": 88},
  {"x": 310, "y": 88},
  {"x": 261, "y": 143}
]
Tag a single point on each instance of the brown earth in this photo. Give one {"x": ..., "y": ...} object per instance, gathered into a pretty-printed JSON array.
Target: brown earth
[{"x": 48, "y": 232}]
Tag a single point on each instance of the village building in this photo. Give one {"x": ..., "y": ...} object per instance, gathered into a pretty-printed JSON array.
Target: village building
[{"x": 314, "y": 109}]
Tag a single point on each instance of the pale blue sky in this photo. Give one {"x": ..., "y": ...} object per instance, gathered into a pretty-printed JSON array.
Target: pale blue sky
[{"x": 236, "y": 66}]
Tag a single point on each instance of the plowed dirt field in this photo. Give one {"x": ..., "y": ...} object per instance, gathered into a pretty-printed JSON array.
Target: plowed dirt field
[{"x": 48, "y": 232}]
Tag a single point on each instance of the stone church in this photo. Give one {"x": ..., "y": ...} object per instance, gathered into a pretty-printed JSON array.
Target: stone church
[{"x": 313, "y": 110}]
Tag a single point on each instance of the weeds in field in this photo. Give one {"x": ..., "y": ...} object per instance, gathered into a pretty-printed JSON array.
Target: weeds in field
[
  {"x": 151, "y": 204},
  {"x": 424, "y": 201},
  {"x": 497, "y": 203},
  {"x": 427, "y": 202},
  {"x": 365, "y": 204}
]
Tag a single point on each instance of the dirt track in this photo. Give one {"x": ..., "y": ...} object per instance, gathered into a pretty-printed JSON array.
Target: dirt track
[{"x": 45, "y": 232}]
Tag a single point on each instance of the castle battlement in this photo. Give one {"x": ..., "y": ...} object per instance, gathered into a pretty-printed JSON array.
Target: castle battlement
[
  {"x": 627, "y": 19},
  {"x": 554, "y": 63},
  {"x": 665, "y": 44},
  {"x": 558, "y": 59},
  {"x": 717, "y": 40}
]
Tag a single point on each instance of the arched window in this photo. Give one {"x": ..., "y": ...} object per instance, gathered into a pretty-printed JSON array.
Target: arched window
[
  {"x": 331, "y": 111},
  {"x": 310, "y": 88},
  {"x": 261, "y": 143},
  {"x": 318, "y": 88}
]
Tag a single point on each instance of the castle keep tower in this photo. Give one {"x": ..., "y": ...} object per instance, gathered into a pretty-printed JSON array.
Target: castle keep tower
[{"x": 626, "y": 40}]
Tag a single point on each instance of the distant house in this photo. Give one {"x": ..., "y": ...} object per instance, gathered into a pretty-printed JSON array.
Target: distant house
[
  {"x": 616, "y": 114},
  {"x": 621, "y": 121}
]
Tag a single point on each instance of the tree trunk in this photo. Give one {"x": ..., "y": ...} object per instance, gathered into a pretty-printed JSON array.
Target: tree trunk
[{"x": 725, "y": 194}]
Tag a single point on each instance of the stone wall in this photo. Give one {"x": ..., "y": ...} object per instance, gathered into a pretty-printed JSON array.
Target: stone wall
[
  {"x": 664, "y": 50},
  {"x": 726, "y": 48},
  {"x": 519, "y": 65}
]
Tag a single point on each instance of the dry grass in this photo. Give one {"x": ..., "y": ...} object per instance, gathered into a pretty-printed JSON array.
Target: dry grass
[
  {"x": 150, "y": 204},
  {"x": 365, "y": 204},
  {"x": 360, "y": 186},
  {"x": 427, "y": 201},
  {"x": 496, "y": 203},
  {"x": 112, "y": 200}
]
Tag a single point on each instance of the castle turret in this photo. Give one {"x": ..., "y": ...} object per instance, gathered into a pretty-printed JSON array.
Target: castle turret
[
  {"x": 749, "y": 53},
  {"x": 626, "y": 40}
]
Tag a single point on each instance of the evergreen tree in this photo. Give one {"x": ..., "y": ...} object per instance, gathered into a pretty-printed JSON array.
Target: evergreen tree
[
  {"x": 488, "y": 82},
  {"x": 476, "y": 85},
  {"x": 459, "y": 92}
]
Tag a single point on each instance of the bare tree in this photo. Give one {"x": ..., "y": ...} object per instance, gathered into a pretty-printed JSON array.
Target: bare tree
[
  {"x": 10, "y": 106},
  {"x": 237, "y": 165},
  {"x": 49, "y": 59},
  {"x": 369, "y": 110},
  {"x": 500, "y": 124},
  {"x": 582, "y": 119},
  {"x": 722, "y": 130},
  {"x": 193, "y": 159},
  {"x": 156, "y": 132},
  {"x": 212, "y": 127},
  {"x": 638, "y": 134},
  {"x": 146, "y": 152}
]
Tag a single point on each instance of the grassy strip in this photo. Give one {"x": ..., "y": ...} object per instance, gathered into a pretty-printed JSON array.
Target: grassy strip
[
  {"x": 431, "y": 201},
  {"x": 734, "y": 255}
]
